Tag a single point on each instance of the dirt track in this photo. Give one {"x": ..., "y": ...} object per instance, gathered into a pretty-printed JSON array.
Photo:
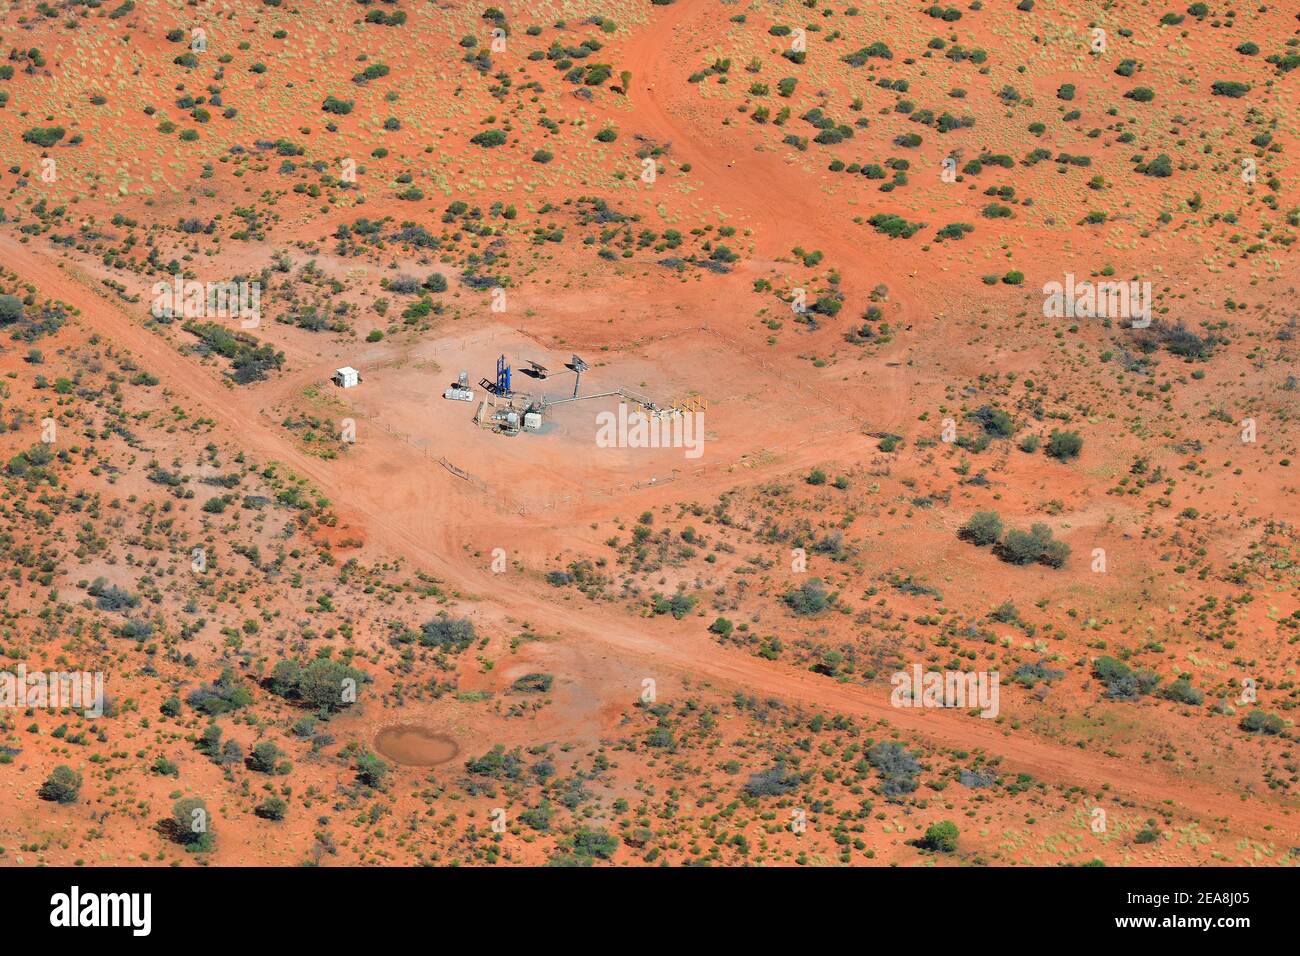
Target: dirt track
[{"x": 753, "y": 182}]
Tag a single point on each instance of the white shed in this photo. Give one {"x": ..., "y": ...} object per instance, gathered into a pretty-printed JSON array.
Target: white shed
[{"x": 347, "y": 377}]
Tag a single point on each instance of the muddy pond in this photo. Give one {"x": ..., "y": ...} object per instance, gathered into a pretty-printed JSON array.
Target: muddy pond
[{"x": 414, "y": 746}]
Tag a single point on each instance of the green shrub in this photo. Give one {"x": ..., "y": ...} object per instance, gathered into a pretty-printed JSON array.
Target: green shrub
[
  {"x": 324, "y": 684},
  {"x": 895, "y": 227},
  {"x": 775, "y": 781},
  {"x": 877, "y": 50},
  {"x": 1162, "y": 167},
  {"x": 1033, "y": 546},
  {"x": 1261, "y": 722},
  {"x": 954, "y": 230},
  {"x": 809, "y": 599},
  {"x": 45, "y": 136},
  {"x": 497, "y": 763},
  {"x": 489, "y": 138},
  {"x": 267, "y": 758},
  {"x": 1229, "y": 88},
  {"x": 995, "y": 421},
  {"x": 942, "y": 837},
  {"x": 224, "y": 695},
  {"x": 370, "y": 769},
  {"x": 63, "y": 785},
  {"x": 191, "y": 825},
  {"x": 447, "y": 633},
  {"x": 272, "y": 808},
  {"x": 165, "y": 768},
  {"x": 983, "y": 528},
  {"x": 679, "y": 605},
  {"x": 1064, "y": 445},
  {"x": 372, "y": 72},
  {"x": 1181, "y": 691},
  {"x": 593, "y": 842},
  {"x": 11, "y": 309}
]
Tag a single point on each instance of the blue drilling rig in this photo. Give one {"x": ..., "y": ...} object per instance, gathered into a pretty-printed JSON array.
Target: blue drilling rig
[{"x": 503, "y": 377}]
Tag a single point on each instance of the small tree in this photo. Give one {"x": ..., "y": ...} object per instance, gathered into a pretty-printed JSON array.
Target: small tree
[
  {"x": 995, "y": 421},
  {"x": 266, "y": 758},
  {"x": 1036, "y": 544},
  {"x": 191, "y": 824},
  {"x": 1182, "y": 692},
  {"x": 593, "y": 842},
  {"x": 1064, "y": 445},
  {"x": 63, "y": 785},
  {"x": 371, "y": 770},
  {"x": 489, "y": 138},
  {"x": 942, "y": 837},
  {"x": 232, "y": 753},
  {"x": 328, "y": 685},
  {"x": 45, "y": 136},
  {"x": 809, "y": 599},
  {"x": 336, "y": 106},
  {"x": 983, "y": 528},
  {"x": 447, "y": 633},
  {"x": 1262, "y": 722},
  {"x": 11, "y": 309},
  {"x": 1230, "y": 88},
  {"x": 210, "y": 741},
  {"x": 1055, "y": 553},
  {"x": 272, "y": 808}
]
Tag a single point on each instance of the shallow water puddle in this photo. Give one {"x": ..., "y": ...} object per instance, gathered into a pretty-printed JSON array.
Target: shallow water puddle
[{"x": 415, "y": 746}]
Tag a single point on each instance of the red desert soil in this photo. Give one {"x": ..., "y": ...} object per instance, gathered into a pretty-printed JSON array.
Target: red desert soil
[
  {"x": 420, "y": 512},
  {"x": 788, "y": 399}
]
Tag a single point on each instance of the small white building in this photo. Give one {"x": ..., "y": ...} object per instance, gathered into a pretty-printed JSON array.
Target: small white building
[
  {"x": 347, "y": 377},
  {"x": 532, "y": 421}
]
